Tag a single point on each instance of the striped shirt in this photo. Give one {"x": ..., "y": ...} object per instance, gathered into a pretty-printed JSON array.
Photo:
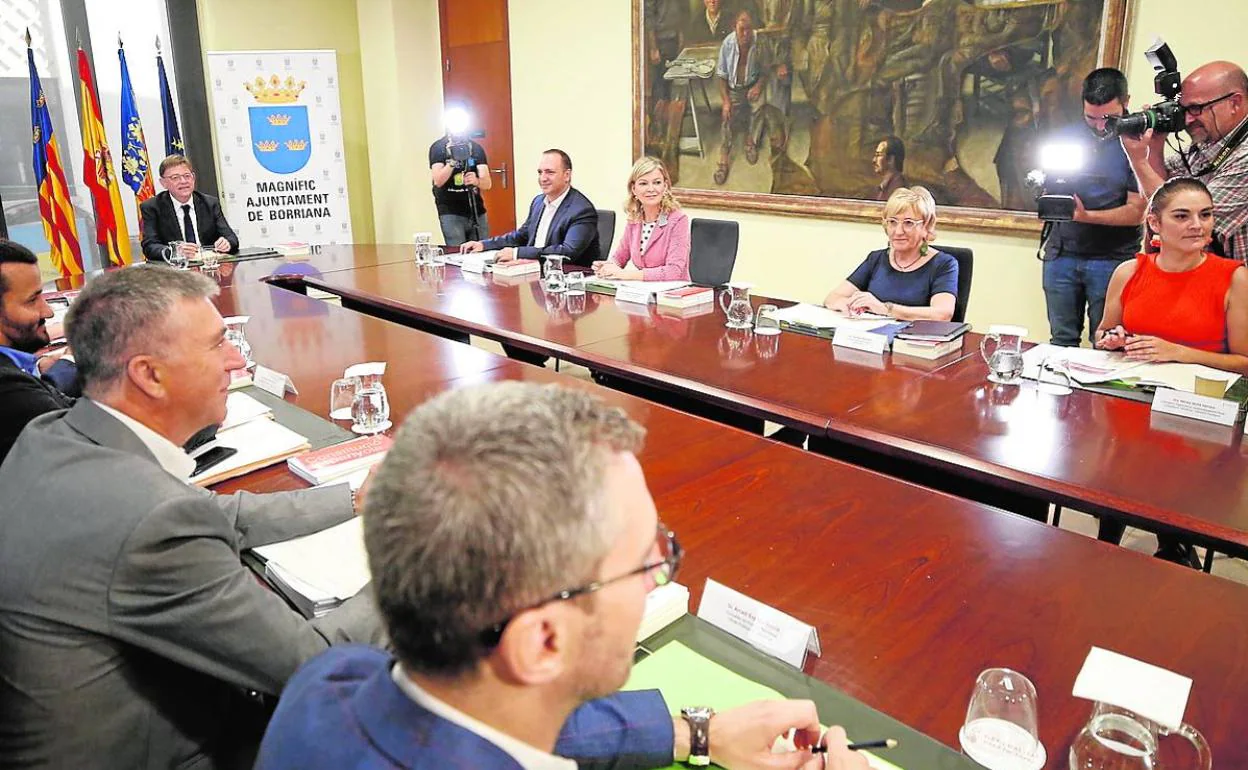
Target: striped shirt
[{"x": 1229, "y": 187}]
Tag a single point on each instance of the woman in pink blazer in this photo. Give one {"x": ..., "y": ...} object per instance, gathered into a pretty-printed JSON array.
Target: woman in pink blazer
[{"x": 655, "y": 243}]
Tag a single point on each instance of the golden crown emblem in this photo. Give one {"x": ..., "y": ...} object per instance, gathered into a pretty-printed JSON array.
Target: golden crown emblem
[
  {"x": 275, "y": 91},
  {"x": 266, "y": 146},
  {"x": 296, "y": 145},
  {"x": 278, "y": 119}
]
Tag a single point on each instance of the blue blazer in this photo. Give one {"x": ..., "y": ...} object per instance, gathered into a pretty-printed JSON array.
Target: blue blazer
[
  {"x": 342, "y": 710},
  {"x": 573, "y": 232}
]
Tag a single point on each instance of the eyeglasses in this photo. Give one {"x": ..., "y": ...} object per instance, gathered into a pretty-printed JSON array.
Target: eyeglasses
[
  {"x": 664, "y": 571},
  {"x": 906, "y": 225},
  {"x": 1196, "y": 109},
  {"x": 179, "y": 177}
]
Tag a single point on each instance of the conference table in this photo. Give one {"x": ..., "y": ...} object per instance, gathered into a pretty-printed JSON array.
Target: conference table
[
  {"x": 939, "y": 423},
  {"x": 913, "y": 591}
]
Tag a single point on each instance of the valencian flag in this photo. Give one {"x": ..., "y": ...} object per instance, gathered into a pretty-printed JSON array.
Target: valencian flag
[
  {"x": 55, "y": 209},
  {"x": 134, "y": 163},
  {"x": 97, "y": 172},
  {"x": 173, "y": 137}
]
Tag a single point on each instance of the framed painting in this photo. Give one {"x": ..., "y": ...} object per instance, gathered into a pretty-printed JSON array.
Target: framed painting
[{"x": 822, "y": 107}]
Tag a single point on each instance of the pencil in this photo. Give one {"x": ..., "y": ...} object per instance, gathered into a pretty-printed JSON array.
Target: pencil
[{"x": 886, "y": 743}]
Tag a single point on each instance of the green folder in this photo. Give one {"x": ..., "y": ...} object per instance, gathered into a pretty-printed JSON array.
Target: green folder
[{"x": 695, "y": 664}]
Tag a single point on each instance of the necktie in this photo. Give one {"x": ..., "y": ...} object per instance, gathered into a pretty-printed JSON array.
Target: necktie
[{"x": 188, "y": 229}]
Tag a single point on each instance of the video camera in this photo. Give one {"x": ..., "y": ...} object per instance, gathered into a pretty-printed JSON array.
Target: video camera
[
  {"x": 1055, "y": 183},
  {"x": 1165, "y": 117},
  {"x": 459, "y": 148}
]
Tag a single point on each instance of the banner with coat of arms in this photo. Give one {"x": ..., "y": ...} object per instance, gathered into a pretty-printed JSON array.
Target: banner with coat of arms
[{"x": 279, "y": 145}]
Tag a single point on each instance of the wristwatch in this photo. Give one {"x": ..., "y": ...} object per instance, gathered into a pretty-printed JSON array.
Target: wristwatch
[{"x": 699, "y": 720}]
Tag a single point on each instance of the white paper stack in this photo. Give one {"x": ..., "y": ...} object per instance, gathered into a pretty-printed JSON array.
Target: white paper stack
[
  {"x": 241, "y": 408},
  {"x": 320, "y": 571},
  {"x": 665, "y": 605},
  {"x": 1088, "y": 366},
  {"x": 819, "y": 317},
  {"x": 259, "y": 443}
]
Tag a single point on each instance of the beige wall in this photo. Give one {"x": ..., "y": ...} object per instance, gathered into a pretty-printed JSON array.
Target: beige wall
[
  {"x": 794, "y": 257},
  {"x": 242, "y": 25}
]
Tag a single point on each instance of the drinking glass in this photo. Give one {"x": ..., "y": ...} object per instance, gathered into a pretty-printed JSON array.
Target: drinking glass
[
  {"x": 765, "y": 321},
  {"x": 209, "y": 259},
  {"x": 370, "y": 409},
  {"x": 437, "y": 255},
  {"x": 1000, "y": 731},
  {"x": 341, "y": 397},
  {"x": 576, "y": 283},
  {"x": 236, "y": 336},
  {"x": 555, "y": 280},
  {"x": 422, "y": 253}
]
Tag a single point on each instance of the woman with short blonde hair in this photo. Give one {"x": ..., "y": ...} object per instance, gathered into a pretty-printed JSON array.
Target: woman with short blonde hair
[
  {"x": 655, "y": 243},
  {"x": 909, "y": 280}
]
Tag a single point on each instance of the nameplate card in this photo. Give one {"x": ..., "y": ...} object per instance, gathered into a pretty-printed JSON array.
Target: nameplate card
[
  {"x": 474, "y": 263},
  {"x": 1217, "y": 410},
  {"x": 868, "y": 342},
  {"x": 236, "y": 319},
  {"x": 765, "y": 628},
  {"x": 272, "y": 381},
  {"x": 1150, "y": 691},
  {"x": 636, "y": 294},
  {"x": 372, "y": 368},
  {"x": 1222, "y": 435}
]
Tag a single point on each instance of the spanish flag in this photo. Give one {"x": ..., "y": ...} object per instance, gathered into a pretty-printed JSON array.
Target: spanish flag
[
  {"x": 97, "y": 172},
  {"x": 55, "y": 209}
]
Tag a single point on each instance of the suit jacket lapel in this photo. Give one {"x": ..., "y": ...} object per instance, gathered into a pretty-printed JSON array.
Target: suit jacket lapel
[
  {"x": 535, "y": 216},
  {"x": 660, "y": 222},
  {"x": 101, "y": 427}
]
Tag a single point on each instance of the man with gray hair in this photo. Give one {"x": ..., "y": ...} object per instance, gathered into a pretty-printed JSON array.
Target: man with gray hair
[
  {"x": 512, "y": 598},
  {"x": 132, "y": 635}
]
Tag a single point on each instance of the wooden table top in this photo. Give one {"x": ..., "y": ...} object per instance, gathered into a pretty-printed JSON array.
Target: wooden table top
[
  {"x": 913, "y": 592},
  {"x": 1094, "y": 452}
]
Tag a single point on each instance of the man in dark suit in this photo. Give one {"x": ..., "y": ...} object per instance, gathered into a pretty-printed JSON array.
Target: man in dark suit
[
  {"x": 561, "y": 222},
  {"x": 513, "y": 600},
  {"x": 27, "y": 386},
  {"x": 133, "y": 636},
  {"x": 181, "y": 213}
]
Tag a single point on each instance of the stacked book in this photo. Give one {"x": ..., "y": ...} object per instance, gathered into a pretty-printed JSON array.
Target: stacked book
[
  {"x": 340, "y": 461},
  {"x": 686, "y": 296},
  {"x": 293, "y": 249},
  {"x": 930, "y": 339},
  {"x": 518, "y": 267}
]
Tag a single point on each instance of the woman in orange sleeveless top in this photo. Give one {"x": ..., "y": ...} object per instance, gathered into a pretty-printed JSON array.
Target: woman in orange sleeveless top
[{"x": 1181, "y": 304}]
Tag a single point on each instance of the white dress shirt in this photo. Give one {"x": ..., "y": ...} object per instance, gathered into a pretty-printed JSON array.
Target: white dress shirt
[
  {"x": 171, "y": 457},
  {"x": 177, "y": 211},
  {"x": 549, "y": 208},
  {"x": 525, "y": 755}
]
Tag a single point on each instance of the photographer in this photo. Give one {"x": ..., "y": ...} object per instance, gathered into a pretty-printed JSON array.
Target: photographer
[
  {"x": 1214, "y": 99},
  {"x": 460, "y": 171},
  {"x": 1080, "y": 255}
]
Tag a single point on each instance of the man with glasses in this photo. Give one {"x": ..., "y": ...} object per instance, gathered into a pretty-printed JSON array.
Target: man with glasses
[
  {"x": 182, "y": 213},
  {"x": 1080, "y": 255},
  {"x": 512, "y": 542},
  {"x": 1215, "y": 98}
]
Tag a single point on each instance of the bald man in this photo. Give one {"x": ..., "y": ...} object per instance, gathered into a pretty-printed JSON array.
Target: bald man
[{"x": 1215, "y": 96}]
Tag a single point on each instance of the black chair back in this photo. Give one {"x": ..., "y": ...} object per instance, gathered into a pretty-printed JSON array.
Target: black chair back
[
  {"x": 712, "y": 251},
  {"x": 966, "y": 268},
  {"x": 606, "y": 231}
]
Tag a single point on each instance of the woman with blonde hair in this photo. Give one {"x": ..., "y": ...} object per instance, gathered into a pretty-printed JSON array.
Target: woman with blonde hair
[
  {"x": 655, "y": 243},
  {"x": 909, "y": 280}
]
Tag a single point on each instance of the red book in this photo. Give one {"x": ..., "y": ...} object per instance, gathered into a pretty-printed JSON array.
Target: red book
[
  {"x": 686, "y": 296},
  {"x": 322, "y": 465}
]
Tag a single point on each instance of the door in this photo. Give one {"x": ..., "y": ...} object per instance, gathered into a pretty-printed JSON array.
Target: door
[{"x": 476, "y": 69}]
